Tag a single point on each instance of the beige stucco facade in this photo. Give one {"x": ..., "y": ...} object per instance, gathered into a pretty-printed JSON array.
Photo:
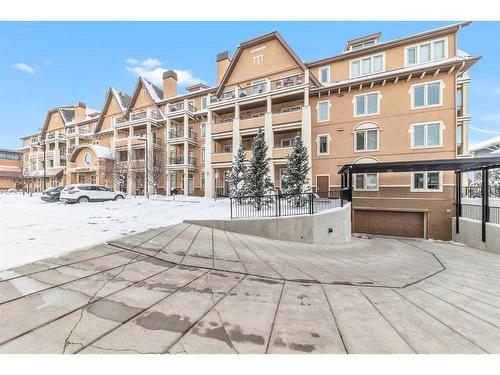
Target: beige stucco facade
[{"x": 188, "y": 140}]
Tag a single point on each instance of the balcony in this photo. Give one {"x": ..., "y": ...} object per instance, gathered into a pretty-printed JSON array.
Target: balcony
[
  {"x": 137, "y": 164},
  {"x": 278, "y": 85},
  {"x": 222, "y": 126},
  {"x": 54, "y": 135},
  {"x": 175, "y": 134},
  {"x": 252, "y": 120},
  {"x": 288, "y": 115},
  {"x": 282, "y": 152},
  {"x": 179, "y": 160},
  {"x": 222, "y": 157},
  {"x": 138, "y": 118}
]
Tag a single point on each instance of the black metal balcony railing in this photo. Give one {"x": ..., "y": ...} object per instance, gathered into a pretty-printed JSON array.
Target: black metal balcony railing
[
  {"x": 179, "y": 160},
  {"x": 179, "y": 133},
  {"x": 174, "y": 107}
]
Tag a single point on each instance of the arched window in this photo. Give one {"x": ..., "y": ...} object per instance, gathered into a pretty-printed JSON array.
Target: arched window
[
  {"x": 366, "y": 137},
  {"x": 366, "y": 181}
]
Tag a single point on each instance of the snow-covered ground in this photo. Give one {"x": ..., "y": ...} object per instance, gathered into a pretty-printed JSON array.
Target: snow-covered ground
[{"x": 31, "y": 229}]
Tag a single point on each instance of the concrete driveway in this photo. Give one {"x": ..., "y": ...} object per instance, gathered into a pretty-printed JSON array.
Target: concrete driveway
[{"x": 192, "y": 289}]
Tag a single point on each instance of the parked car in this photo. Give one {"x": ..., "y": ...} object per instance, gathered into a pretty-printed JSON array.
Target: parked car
[
  {"x": 89, "y": 193},
  {"x": 52, "y": 194}
]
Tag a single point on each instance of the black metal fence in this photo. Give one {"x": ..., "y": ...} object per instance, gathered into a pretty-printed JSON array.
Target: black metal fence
[
  {"x": 276, "y": 205},
  {"x": 473, "y": 210}
]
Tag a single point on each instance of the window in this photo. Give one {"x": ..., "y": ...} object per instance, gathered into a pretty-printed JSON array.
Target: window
[
  {"x": 362, "y": 45},
  {"x": 323, "y": 111},
  {"x": 257, "y": 60},
  {"x": 426, "y": 181},
  {"x": 427, "y": 51},
  {"x": 203, "y": 130},
  {"x": 367, "y": 65},
  {"x": 426, "y": 95},
  {"x": 366, "y": 137},
  {"x": 259, "y": 87},
  {"x": 366, "y": 104},
  {"x": 286, "y": 142},
  {"x": 323, "y": 144},
  {"x": 202, "y": 155},
  {"x": 227, "y": 148},
  {"x": 324, "y": 74},
  {"x": 366, "y": 181},
  {"x": 92, "y": 179},
  {"x": 426, "y": 135},
  {"x": 204, "y": 101}
]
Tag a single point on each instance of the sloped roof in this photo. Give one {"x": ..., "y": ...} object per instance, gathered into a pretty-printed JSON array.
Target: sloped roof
[
  {"x": 256, "y": 41},
  {"x": 154, "y": 92},
  {"x": 101, "y": 152},
  {"x": 495, "y": 141},
  {"x": 121, "y": 98}
]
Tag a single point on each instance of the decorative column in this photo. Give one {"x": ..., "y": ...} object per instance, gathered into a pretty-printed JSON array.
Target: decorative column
[
  {"x": 150, "y": 155},
  {"x": 209, "y": 175},
  {"x": 166, "y": 155},
  {"x": 306, "y": 125},
  {"x": 130, "y": 179},
  {"x": 269, "y": 135},
  {"x": 56, "y": 154},
  {"x": 236, "y": 130}
]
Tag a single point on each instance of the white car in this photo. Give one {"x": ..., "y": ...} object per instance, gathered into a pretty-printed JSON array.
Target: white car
[{"x": 89, "y": 193}]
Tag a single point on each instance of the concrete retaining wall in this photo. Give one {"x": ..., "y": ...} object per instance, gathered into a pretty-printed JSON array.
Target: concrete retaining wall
[
  {"x": 305, "y": 228},
  {"x": 470, "y": 234}
]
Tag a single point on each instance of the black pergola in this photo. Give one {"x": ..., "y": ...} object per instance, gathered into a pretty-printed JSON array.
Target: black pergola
[{"x": 457, "y": 165}]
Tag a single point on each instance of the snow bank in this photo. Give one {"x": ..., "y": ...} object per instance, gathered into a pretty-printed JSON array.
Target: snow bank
[{"x": 31, "y": 229}]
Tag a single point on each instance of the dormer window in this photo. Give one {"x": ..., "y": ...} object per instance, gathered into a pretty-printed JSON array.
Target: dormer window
[
  {"x": 426, "y": 52},
  {"x": 363, "y": 45},
  {"x": 367, "y": 65},
  {"x": 324, "y": 75}
]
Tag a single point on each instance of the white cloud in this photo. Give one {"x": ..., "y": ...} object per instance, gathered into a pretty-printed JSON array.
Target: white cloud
[
  {"x": 151, "y": 63},
  {"x": 152, "y": 71},
  {"x": 22, "y": 67},
  {"x": 131, "y": 61}
]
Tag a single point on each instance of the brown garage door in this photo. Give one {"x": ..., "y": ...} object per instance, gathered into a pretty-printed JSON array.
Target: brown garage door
[{"x": 390, "y": 223}]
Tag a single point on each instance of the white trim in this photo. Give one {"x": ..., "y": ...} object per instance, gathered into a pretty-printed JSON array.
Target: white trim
[
  {"x": 267, "y": 83},
  {"x": 327, "y": 67},
  {"x": 317, "y": 110},
  {"x": 329, "y": 138},
  {"x": 365, "y": 113},
  {"x": 364, "y": 128},
  {"x": 412, "y": 134},
  {"x": 257, "y": 49},
  {"x": 417, "y": 46},
  {"x": 365, "y": 181},
  {"x": 360, "y": 61},
  {"x": 426, "y": 189},
  {"x": 412, "y": 96},
  {"x": 286, "y": 139}
]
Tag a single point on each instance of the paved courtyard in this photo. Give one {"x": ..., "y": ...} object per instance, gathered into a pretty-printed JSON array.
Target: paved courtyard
[{"x": 192, "y": 289}]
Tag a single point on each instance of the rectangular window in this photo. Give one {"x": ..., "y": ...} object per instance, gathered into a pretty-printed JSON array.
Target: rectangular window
[
  {"x": 427, "y": 51},
  {"x": 366, "y": 104},
  {"x": 203, "y": 130},
  {"x": 366, "y": 181},
  {"x": 366, "y": 140},
  {"x": 259, "y": 87},
  {"x": 202, "y": 156},
  {"x": 367, "y": 65},
  {"x": 426, "y": 135},
  {"x": 324, "y": 75},
  {"x": 204, "y": 101},
  {"x": 324, "y": 111},
  {"x": 426, "y": 95},
  {"x": 323, "y": 144},
  {"x": 426, "y": 181}
]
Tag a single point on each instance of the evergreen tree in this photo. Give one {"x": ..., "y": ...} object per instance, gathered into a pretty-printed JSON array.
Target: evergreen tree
[
  {"x": 259, "y": 181},
  {"x": 238, "y": 175},
  {"x": 294, "y": 179}
]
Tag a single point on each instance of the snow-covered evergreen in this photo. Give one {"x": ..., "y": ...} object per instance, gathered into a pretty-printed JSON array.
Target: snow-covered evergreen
[
  {"x": 238, "y": 175},
  {"x": 259, "y": 181},
  {"x": 294, "y": 179}
]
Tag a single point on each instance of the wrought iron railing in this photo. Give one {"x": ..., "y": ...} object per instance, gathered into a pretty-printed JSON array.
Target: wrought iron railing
[{"x": 277, "y": 205}]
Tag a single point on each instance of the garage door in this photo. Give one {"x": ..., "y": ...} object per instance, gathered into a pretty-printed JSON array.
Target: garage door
[{"x": 390, "y": 223}]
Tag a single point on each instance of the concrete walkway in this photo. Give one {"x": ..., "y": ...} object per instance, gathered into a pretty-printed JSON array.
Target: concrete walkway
[{"x": 192, "y": 289}]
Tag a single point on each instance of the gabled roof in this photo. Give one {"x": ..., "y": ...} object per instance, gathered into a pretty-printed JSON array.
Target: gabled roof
[
  {"x": 101, "y": 152},
  {"x": 121, "y": 98},
  {"x": 67, "y": 114},
  {"x": 259, "y": 40},
  {"x": 362, "y": 39},
  {"x": 154, "y": 92},
  {"x": 391, "y": 43}
]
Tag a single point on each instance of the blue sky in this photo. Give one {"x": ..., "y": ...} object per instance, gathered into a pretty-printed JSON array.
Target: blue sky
[{"x": 48, "y": 64}]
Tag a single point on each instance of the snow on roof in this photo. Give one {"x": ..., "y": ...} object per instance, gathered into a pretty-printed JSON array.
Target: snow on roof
[
  {"x": 122, "y": 99},
  {"x": 49, "y": 172},
  {"x": 396, "y": 71},
  {"x": 90, "y": 112},
  {"x": 155, "y": 92},
  {"x": 462, "y": 53},
  {"x": 100, "y": 151},
  {"x": 485, "y": 144},
  {"x": 67, "y": 113}
]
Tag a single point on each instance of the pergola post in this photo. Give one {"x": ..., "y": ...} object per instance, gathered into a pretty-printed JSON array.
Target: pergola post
[
  {"x": 485, "y": 217},
  {"x": 458, "y": 199},
  {"x": 350, "y": 185}
]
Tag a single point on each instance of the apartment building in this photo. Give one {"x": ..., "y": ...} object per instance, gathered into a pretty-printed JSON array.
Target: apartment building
[
  {"x": 376, "y": 101},
  {"x": 10, "y": 164}
]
